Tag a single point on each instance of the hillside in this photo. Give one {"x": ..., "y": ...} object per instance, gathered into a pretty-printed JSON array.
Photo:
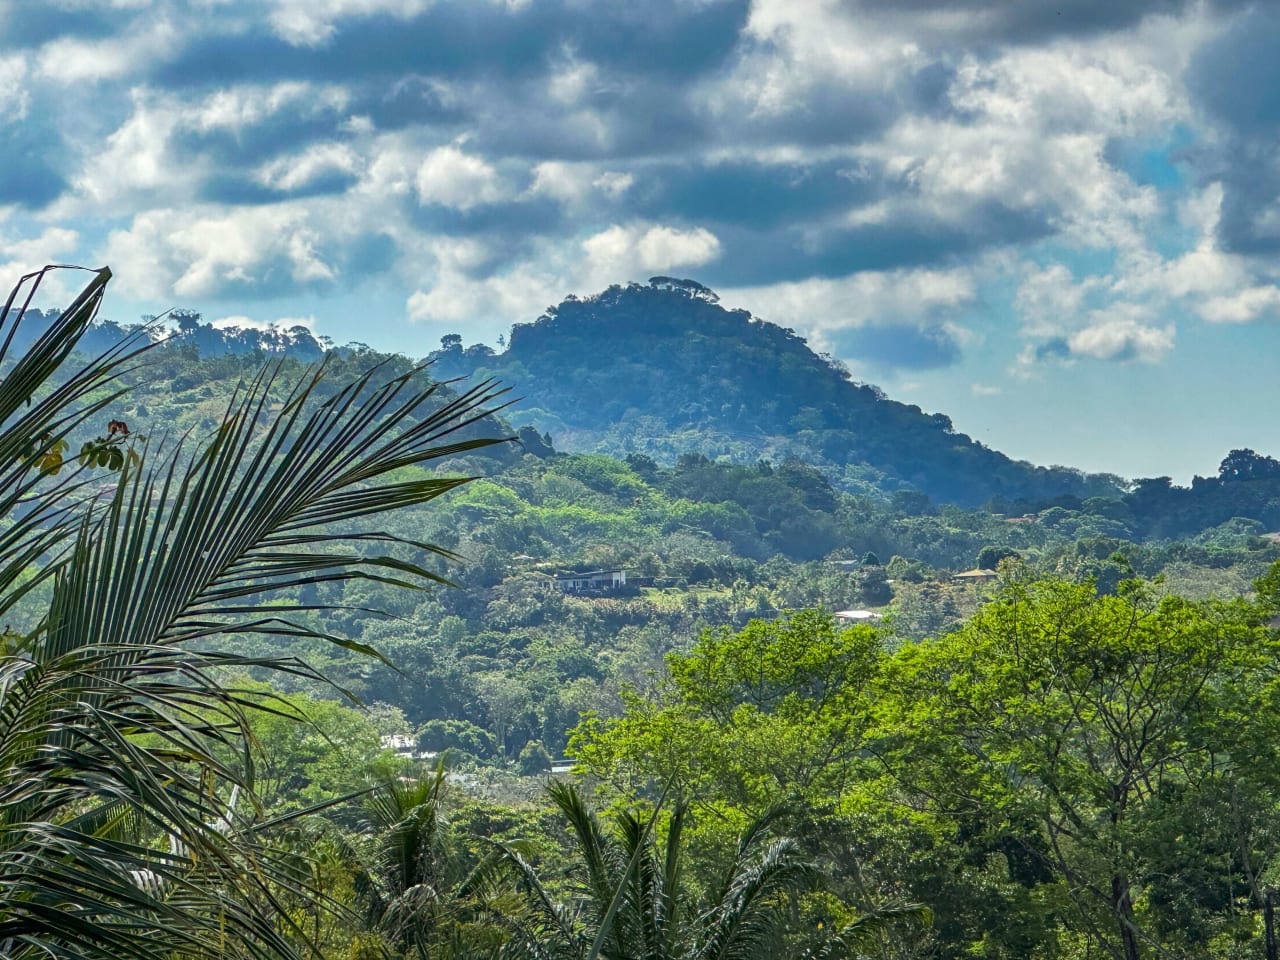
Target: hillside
[{"x": 663, "y": 369}]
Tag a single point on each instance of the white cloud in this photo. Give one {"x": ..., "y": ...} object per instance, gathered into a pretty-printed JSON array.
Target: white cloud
[
  {"x": 451, "y": 178},
  {"x": 803, "y": 46},
  {"x": 613, "y": 182},
  {"x": 573, "y": 81},
  {"x": 619, "y": 250},
  {"x": 70, "y": 60},
  {"x": 821, "y": 307},
  {"x": 19, "y": 257},
  {"x": 314, "y": 163},
  {"x": 233, "y": 109},
  {"x": 248, "y": 323},
  {"x": 15, "y": 95},
  {"x": 577, "y": 183},
  {"x": 1031, "y": 134},
  {"x": 310, "y": 23},
  {"x": 201, "y": 253},
  {"x": 136, "y": 160},
  {"x": 391, "y": 169},
  {"x": 462, "y": 295},
  {"x": 1050, "y": 300},
  {"x": 982, "y": 390},
  {"x": 1122, "y": 338},
  {"x": 485, "y": 306},
  {"x": 1246, "y": 306}
]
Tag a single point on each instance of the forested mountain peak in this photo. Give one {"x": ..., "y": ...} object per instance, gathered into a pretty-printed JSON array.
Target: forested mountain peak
[{"x": 662, "y": 369}]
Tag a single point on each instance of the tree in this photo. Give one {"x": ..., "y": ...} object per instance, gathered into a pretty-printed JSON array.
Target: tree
[
  {"x": 425, "y": 895},
  {"x": 633, "y": 898},
  {"x": 534, "y": 759},
  {"x": 989, "y": 557},
  {"x": 1064, "y": 726},
  {"x": 752, "y": 717},
  {"x": 1247, "y": 465},
  {"x": 117, "y": 834}
]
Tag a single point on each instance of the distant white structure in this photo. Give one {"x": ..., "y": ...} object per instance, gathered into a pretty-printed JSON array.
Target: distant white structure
[
  {"x": 859, "y": 616},
  {"x": 590, "y": 582},
  {"x": 976, "y": 575}
]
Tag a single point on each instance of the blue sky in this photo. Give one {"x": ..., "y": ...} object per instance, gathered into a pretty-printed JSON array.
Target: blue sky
[{"x": 1058, "y": 222}]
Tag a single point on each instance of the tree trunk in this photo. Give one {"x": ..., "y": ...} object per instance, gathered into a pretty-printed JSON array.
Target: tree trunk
[
  {"x": 1123, "y": 908},
  {"x": 1269, "y": 920}
]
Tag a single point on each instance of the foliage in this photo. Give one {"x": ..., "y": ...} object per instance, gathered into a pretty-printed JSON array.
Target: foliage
[
  {"x": 632, "y": 898},
  {"x": 117, "y": 832},
  {"x": 662, "y": 369}
]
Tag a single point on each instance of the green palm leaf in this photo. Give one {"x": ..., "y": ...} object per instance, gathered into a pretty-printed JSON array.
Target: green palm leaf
[{"x": 117, "y": 839}]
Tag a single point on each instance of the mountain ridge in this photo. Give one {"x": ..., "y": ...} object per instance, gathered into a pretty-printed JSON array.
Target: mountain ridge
[{"x": 662, "y": 369}]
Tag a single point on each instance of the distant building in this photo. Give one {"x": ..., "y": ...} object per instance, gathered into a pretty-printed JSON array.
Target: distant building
[
  {"x": 594, "y": 581},
  {"x": 975, "y": 576},
  {"x": 859, "y": 616}
]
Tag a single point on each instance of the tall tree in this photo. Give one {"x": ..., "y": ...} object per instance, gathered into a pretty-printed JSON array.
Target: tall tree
[{"x": 1060, "y": 727}]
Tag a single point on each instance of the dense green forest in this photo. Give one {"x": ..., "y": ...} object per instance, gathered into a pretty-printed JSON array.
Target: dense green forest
[
  {"x": 662, "y": 369},
  {"x": 849, "y": 702}
]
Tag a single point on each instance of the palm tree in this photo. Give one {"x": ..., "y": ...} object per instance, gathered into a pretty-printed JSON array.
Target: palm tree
[
  {"x": 116, "y": 710},
  {"x": 427, "y": 896},
  {"x": 632, "y": 902}
]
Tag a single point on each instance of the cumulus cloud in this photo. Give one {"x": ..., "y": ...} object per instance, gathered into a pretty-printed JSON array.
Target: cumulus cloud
[
  {"x": 1122, "y": 337},
  {"x": 76, "y": 60},
  {"x": 451, "y": 178},
  {"x": 577, "y": 183},
  {"x": 897, "y": 319},
  {"x": 14, "y": 96},
  {"x": 241, "y": 322},
  {"x": 1243, "y": 307},
  {"x": 620, "y": 251},
  {"x": 317, "y": 164},
  {"x": 898, "y": 181},
  {"x": 313, "y": 22},
  {"x": 1233, "y": 78},
  {"x": 192, "y": 255},
  {"x": 1050, "y": 299},
  {"x": 19, "y": 257},
  {"x": 234, "y": 110}
]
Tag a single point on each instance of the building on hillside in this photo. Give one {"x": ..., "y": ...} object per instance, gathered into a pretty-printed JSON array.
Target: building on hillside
[
  {"x": 593, "y": 581},
  {"x": 974, "y": 576},
  {"x": 859, "y": 616}
]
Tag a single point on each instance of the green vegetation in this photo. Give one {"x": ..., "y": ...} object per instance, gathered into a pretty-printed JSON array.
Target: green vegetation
[
  {"x": 229, "y": 724},
  {"x": 662, "y": 369},
  {"x": 1067, "y": 773},
  {"x": 118, "y": 832}
]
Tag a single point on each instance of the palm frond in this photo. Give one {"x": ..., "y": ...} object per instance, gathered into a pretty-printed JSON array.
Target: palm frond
[
  {"x": 745, "y": 923},
  {"x": 114, "y": 709},
  {"x": 37, "y": 413},
  {"x": 862, "y": 935}
]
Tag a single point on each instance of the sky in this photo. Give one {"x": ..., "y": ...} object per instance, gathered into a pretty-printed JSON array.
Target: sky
[{"x": 1056, "y": 222}]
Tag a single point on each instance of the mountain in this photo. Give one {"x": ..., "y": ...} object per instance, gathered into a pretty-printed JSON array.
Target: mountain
[
  {"x": 183, "y": 328},
  {"x": 662, "y": 369}
]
